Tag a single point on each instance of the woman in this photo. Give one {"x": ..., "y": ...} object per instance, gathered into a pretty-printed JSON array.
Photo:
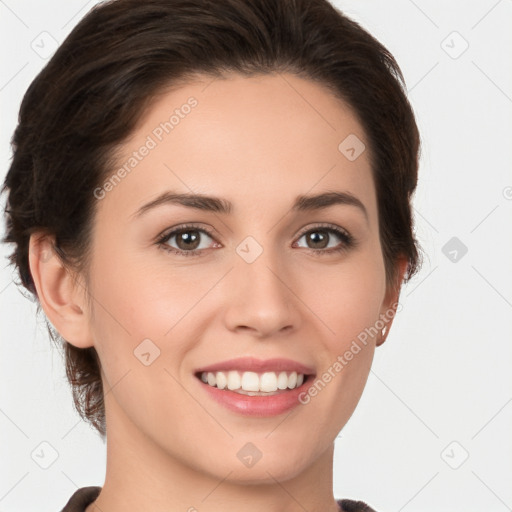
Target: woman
[{"x": 211, "y": 202}]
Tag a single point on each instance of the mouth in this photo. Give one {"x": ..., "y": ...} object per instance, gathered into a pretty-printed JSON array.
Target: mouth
[
  {"x": 251, "y": 383},
  {"x": 255, "y": 388}
]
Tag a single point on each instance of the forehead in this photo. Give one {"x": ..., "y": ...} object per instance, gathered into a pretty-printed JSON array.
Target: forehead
[{"x": 269, "y": 137}]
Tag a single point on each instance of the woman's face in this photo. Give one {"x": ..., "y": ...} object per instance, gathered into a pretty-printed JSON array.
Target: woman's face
[{"x": 266, "y": 278}]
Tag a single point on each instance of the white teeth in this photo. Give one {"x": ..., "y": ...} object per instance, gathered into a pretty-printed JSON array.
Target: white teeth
[
  {"x": 234, "y": 380},
  {"x": 268, "y": 382},
  {"x": 222, "y": 380},
  {"x": 251, "y": 382},
  {"x": 282, "y": 381}
]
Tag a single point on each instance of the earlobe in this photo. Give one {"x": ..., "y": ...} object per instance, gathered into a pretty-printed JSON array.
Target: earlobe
[
  {"x": 59, "y": 293},
  {"x": 390, "y": 304}
]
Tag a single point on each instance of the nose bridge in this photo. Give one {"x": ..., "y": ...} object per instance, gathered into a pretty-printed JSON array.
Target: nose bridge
[
  {"x": 259, "y": 298},
  {"x": 257, "y": 267}
]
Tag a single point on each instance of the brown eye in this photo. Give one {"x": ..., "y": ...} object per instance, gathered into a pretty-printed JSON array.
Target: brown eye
[
  {"x": 325, "y": 240},
  {"x": 319, "y": 239},
  {"x": 186, "y": 241}
]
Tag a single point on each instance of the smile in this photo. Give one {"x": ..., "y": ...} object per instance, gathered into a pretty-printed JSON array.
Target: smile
[
  {"x": 257, "y": 388},
  {"x": 252, "y": 383}
]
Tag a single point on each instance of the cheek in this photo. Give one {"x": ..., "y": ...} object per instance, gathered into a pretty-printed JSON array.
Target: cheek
[
  {"x": 139, "y": 300},
  {"x": 134, "y": 303},
  {"x": 348, "y": 303},
  {"x": 347, "y": 298}
]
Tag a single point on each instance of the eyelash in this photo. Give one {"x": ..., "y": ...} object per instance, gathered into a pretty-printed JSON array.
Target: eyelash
[{"x": 347, "y": 240}]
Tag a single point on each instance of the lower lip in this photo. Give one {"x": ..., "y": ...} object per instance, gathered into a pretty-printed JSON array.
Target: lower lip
[{"x": 259, "y": 406}]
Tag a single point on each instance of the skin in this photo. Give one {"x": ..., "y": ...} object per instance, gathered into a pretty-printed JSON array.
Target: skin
[{"x": 258, "y": 142}]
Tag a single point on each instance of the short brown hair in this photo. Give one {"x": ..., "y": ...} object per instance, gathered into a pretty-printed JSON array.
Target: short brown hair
[{"x": 95, "y": 88}]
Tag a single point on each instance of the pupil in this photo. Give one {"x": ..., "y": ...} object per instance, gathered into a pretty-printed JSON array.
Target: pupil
[
  {"x": 188, "y": 239},
  {"x": 317, "y": 237}
]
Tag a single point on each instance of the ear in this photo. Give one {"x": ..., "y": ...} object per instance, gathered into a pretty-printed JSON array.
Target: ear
[
  {"x": 60, "y": 294},
  {"x": 390, "y": 303}
]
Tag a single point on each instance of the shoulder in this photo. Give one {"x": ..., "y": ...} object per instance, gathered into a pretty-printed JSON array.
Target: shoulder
[
  {"x": 354, "y": 506},
  {"x": 81, "y": 499},
  {"x": 86, "y": 495}
]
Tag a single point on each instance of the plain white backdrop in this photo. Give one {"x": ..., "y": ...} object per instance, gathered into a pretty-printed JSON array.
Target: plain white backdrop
[{"x": 432, "y": 430}]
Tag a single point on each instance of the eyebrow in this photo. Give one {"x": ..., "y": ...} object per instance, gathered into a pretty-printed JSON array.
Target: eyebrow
[{"x": 218, "y": 205}]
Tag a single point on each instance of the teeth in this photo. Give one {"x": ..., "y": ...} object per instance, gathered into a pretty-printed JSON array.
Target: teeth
[
  {"x": 221, "y": 380},
  {"x": 251, "y": 383},
  {"x": 233, "y": 379}
]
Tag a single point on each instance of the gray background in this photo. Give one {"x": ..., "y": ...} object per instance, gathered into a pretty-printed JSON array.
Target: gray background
[{"x": 430, "y": 430}]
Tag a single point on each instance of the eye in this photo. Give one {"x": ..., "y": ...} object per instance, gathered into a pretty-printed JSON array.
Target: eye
[
  {"x": 322, "y": 239},
  {"x": 188, "y": 239}
]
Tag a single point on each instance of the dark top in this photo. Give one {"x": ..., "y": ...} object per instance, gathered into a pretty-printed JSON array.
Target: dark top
[{"x": 86, "y": 495}]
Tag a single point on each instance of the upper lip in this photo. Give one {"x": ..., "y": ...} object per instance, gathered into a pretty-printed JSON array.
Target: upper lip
[{"x": 249, "y": 364}]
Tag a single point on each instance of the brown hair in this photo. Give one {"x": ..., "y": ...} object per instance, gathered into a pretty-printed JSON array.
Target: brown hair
[{"x": 89, "y": 97}]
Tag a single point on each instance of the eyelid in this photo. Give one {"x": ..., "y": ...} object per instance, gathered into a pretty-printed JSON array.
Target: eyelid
[
  {"x": 167, "y": 234},
  {"x": 183, "y": 227},
  {"x": 325, "y": 225},
  {"x": 347, "y": 239},
  {"x": 210, "y": 231}
]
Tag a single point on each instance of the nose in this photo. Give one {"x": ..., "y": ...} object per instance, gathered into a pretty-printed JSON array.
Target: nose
[{"x": 260, "y": 298}]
